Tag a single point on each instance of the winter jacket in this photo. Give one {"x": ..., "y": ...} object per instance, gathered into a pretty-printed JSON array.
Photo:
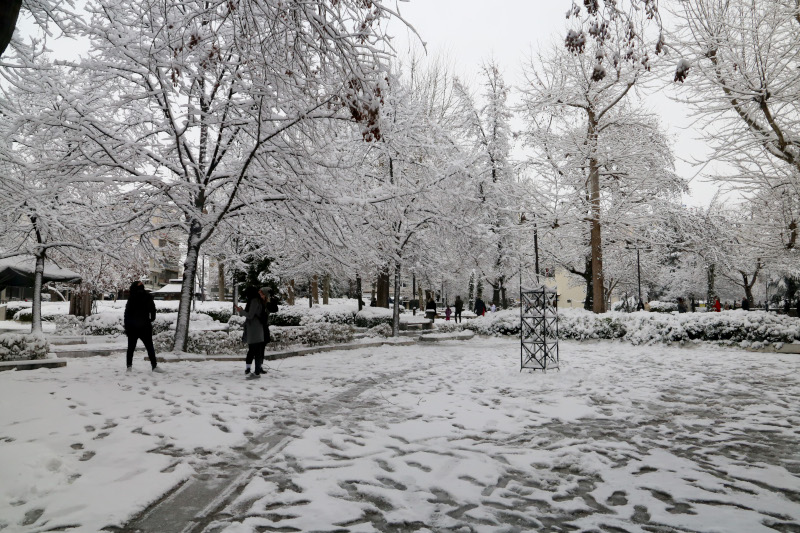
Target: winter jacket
[
  {"x": 430, "y": 306},
  {"x": 480, "y": 307},
  {"x": 140, "y": 311},
  {"x": 253, "y": 325},
  {"x": 459, "y": 305}
]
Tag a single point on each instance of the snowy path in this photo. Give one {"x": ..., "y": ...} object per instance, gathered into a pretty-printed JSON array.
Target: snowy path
[{"x": 446, "y": 437}]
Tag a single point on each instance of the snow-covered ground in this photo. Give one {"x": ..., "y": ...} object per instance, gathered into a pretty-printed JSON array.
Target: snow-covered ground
[{"x": 442, "y": 437}]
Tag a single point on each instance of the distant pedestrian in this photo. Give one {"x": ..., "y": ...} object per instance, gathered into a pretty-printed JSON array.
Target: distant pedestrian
[
  {"x": 447, "y": 313},
  {"x": 745, "y": 304},
  {"x": 727, "y": 306},
  {"x": 694, "y": 306},
  {"x": 253, "y": 334},
  {"x": 140, "y": 312},
  {"x": 493, "y": 308},
  {"x": 717, "y": 306},
  {"x": 430, "y": 309},
  {"x": 681, "y": 305},
  {"x": 786, "y": 306},
  {"x": 480, "y": 307},
  {"x": 459, "y": 307}
]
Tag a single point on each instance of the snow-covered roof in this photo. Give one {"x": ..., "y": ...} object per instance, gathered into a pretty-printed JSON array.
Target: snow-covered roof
[{"x": 19, "y": 272}]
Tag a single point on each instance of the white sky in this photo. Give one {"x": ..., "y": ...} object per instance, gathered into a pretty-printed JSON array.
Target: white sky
[{"x": 469, "y": 32}]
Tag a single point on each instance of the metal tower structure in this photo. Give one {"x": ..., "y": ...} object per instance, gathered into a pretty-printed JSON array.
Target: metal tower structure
[{"x": 538, "y": 329}]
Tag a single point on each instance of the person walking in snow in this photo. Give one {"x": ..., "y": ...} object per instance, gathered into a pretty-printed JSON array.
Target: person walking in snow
[
  {"x": 253, "y": 333},
  {"x": 745, "y": 304},
  {"x": 430, "y": 309},
  {"x": 140, "y": 312},
  {"x": 480, "y": 307},
  {"x": 717, "y": 306},
  {"x": 493, "y": 308},
  {"x": 459, "y": 307},
  {"x": 447, "y": 313}
]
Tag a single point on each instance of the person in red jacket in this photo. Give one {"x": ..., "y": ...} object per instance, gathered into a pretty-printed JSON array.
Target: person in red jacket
[{"x": 717, "y": 306}]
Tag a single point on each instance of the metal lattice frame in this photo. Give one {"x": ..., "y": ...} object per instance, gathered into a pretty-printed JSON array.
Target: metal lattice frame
[{"x": 539, "y": 328}]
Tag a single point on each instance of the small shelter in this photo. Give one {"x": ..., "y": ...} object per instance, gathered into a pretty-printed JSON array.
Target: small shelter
[
  {"x": 19, "y": 271},
  {"x": 172, "y": 290}
]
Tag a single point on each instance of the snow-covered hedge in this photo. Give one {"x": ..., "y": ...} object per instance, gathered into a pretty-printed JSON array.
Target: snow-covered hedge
[
  {"x": 21, "y": 347},
  {"x": 753, "y": 328},
  {"x": 68, "y": 325},
  {"x": 369, "y": 317},
  {"x": 381, "y": 330},
  {"x": 204, "y": 342},
  {"x": 662, "y": 307},
  {"x": 448, "y": 326},
  {"x": 300, "y": 316},
  {"x": 230, "y": 341}
]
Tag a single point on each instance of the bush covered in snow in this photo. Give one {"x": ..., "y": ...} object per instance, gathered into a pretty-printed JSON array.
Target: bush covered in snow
[
  {"x": 22, "y": 347},
  {"x": 749, "y": 329},
  {"x": 315, "y": 334},
  {"x": 500, "y": 323},
  {"x": 662, "y": 307},
  {"x": 369, "y": 317},
  {"x": 204, "y": 342},
  {"x": 381, "y": 330},
  {"x": 230, "y": 341},
  {"x": 220, "y": 315},
  {"x": 448, "y": 326},
  {"x": 68, "y": 325}
]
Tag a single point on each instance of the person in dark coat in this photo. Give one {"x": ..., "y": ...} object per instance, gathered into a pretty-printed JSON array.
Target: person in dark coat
[
  {"x": 480, "y": 307},
  {"x": 681, "y": 305},
  {"x": 430, "y": 309},
  {"x": 459, "y": 307},
  {"x": 140, "y": 312},
  {"x": 253, "y": 331},
  {"x": 745, "y": 304}
]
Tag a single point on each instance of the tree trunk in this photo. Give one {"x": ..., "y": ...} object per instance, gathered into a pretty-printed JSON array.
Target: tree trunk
[
  {"x": 187, "y": 289},
  {"x": 396, "y": 310},
  {"x": 383, "y": 288},
  {"x": 413, "y": 293},
  {"x": 587, "y": 304},
  {"x": 711, "y": 293},
  {"x": 315, "y": 289},
  {"x": 326, "y": 289},
  {"x": 221, "y": 274},
  {"x": 596, "y": 241},
  {"x": 358, "y": 291},
  {"x": 290, "y": 295},
  {"x": 36, "y": 310}
]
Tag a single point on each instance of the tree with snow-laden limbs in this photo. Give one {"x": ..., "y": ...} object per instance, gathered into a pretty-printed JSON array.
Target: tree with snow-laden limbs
[
  {"x": 192, "y": 101},
  {"x": 50, "y": 207},
  {"x": 490, "y": 132},
  {"x": 745, "y": 84},
  {"x": 589, "y": 138}
]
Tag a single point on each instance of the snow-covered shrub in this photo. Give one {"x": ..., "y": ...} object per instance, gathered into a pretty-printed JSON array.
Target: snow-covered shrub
[
  {"x": 310, "y": 335},
  {"x": 220, "y": 315},
  {"x": 112, "y": 322},
  {"x": 662, "y": 307},
  {"x": 22, "y": 347},
  {"x": 505, "y": 322},
  {"x": 68, "y": 325},
  {"x": 369, "y": 317},
  {"x": 381, "y": 330},
  {"x": 291, "y": 316},
  {"x": 448, "y": 327},
  {"x": 26, "y": 315},
  {"x": 204, "y": 342}
]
